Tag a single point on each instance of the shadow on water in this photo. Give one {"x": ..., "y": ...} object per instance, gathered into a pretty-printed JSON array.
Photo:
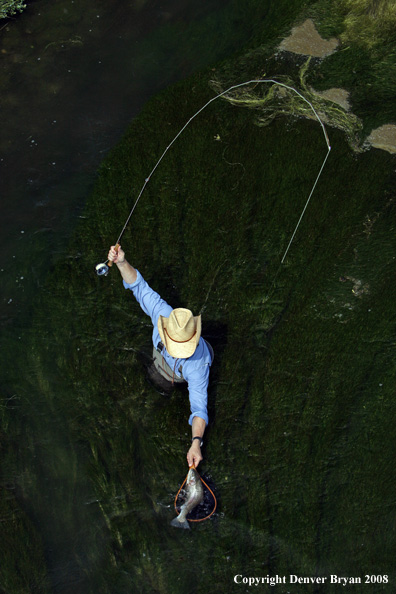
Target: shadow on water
[{"x": 301, "y": 400}]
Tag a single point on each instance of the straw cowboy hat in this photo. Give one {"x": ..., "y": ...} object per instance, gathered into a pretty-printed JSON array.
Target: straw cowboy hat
[{"x": 180, "y": 332}]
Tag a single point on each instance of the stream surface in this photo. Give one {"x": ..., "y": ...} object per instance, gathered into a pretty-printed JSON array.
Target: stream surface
[
  {"x": 301, "y": 398},
  {"x": 73, "y": 75}
]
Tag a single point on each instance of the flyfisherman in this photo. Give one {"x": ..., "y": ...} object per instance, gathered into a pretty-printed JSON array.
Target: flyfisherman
[{"x": 180, "y": 354}]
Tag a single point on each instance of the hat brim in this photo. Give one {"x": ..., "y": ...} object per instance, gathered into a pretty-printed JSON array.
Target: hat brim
[{"x": 179, "y": 350}]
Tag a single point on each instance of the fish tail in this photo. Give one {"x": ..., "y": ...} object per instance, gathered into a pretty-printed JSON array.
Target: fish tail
[{"x": 177, "y": 524}]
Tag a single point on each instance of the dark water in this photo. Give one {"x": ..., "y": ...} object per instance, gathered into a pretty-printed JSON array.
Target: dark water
[
  {"x": 301, "y": 403},
  {"x": 73, "y": 74}
]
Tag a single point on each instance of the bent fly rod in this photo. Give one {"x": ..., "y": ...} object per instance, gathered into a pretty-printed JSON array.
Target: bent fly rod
[{"x": 103, "y": 268}]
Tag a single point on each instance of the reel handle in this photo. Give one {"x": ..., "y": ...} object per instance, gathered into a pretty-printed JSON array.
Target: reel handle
[{"x": 116, "y": 247}]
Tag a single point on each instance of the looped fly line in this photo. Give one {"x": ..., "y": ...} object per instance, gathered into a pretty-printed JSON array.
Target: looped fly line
[{"x": 249, "y": 82}]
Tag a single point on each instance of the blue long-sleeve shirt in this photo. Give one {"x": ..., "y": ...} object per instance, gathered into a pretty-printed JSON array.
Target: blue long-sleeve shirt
[{"x": 196, "y": 368}]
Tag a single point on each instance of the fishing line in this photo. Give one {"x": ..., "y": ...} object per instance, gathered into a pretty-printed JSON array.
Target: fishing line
[{"x": 102, "y": 269}]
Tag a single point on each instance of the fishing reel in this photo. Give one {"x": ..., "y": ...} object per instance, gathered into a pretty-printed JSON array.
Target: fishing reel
[{"x": 103, "y": 268}]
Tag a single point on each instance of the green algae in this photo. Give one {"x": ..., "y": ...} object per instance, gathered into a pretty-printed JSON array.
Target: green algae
[
  {"x": 273, "y": 101},
  {"x": 368, "y": 23},
  {"x": 297, "y": 410},
  {"x": 365, "y": 63},
  {"x": 11, "y": 7},
  {"x": 23, "y": 565},
  {"x": 301, "y": 397}
]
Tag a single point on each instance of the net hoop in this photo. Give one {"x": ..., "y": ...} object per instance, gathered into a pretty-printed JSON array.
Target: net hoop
[{"x": 210, "y": 491}]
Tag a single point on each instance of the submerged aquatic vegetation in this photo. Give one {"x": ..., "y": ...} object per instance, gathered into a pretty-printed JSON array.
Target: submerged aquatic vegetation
[
  {"x": 273, "y": 101},
  {"x": 10, "y": 7},
  {"x": 365, "y": 64},
  {"x": 297, "y": 372},
  {"x": 367, "y": 22},
  {"x": 301, "y": 398}
]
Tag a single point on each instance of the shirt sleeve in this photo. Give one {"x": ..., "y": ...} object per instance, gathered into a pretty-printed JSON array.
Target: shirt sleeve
[
  {"x": 150, "y": 302},
  {"x": 198, "y": 381}
]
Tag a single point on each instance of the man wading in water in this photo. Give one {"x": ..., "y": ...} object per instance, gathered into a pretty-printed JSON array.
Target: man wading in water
[{"x": 180, "y": 354}]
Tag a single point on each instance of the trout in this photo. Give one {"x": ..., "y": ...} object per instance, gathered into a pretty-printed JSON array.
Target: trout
[{"x": 194, "y": 496}]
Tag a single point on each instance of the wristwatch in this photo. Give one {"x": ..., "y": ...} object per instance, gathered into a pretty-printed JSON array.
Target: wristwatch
[{"x": 200, "y": 438}]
